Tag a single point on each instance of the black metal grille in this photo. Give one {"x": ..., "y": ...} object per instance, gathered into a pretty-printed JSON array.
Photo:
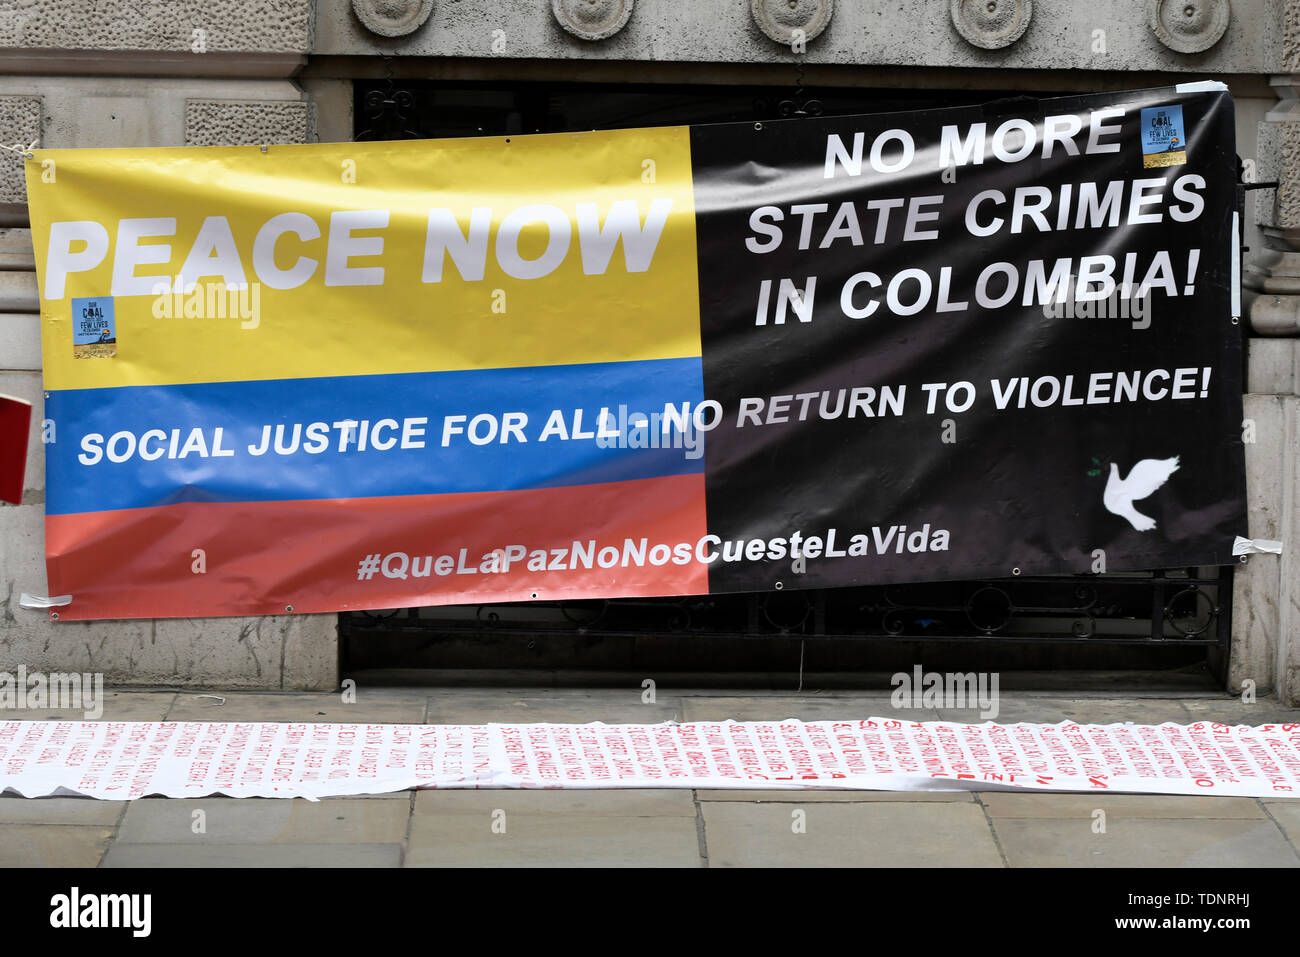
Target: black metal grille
[
  {"x": 406, "y": 108},
  {"x": 1186, "y": 607}
]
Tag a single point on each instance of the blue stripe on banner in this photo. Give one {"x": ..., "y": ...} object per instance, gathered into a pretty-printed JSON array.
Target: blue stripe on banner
[{"x": 158, "y": 445}]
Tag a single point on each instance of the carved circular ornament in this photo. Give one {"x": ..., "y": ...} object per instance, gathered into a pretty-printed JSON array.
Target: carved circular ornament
[
  {"x": 991, "y": 24},
  {"x": 1188, "y": 26},
  {"x": 392, "y": 18},
  {"x": 592, "y": 19},
  {"x": 778, "y": 19}
]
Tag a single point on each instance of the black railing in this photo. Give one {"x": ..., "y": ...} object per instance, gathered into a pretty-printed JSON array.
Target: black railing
[{"x": 1185, "y": 607}]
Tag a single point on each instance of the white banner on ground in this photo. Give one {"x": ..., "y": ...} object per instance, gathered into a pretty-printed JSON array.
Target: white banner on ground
[{"x": 123, "y": 760}]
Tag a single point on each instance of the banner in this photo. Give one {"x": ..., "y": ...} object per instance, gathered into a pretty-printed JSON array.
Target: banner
[
  {"x": 128, "y": 760},
  {"x": 960, "y": 343}
]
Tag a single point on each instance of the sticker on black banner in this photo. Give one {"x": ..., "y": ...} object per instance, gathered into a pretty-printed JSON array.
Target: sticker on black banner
[{"x": 1163, "y": 142}]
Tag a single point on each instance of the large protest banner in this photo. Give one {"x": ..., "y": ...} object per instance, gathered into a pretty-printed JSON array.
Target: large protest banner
[{"x": 948, "y": 344}]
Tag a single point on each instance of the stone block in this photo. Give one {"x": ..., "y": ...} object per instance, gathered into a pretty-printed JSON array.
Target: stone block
[
  {"x": 246, "y": 123},
  {"x": 20, "y": 125},
  {"x": 932, "y": 834}
]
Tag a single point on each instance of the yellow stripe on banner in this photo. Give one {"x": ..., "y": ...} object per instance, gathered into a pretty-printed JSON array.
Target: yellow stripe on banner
[{"x": 551, "y": 249}]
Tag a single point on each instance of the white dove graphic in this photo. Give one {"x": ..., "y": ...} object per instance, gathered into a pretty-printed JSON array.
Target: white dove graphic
[{"x": 1145, "y": 477}]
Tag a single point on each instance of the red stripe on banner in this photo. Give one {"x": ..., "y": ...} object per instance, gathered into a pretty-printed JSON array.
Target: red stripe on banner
[{"x": 202, "y": 559}]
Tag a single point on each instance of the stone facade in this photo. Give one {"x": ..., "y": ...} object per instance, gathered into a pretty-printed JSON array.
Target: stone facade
[
  {"x": 77, "y": 73},
  {"x": 298, "y": 651},
  {"x": 146, "y": 26},
  {"x": 917, "y": 33},
  {"x": 246, "y": 123},
  {"x": 20, "y": 119}
]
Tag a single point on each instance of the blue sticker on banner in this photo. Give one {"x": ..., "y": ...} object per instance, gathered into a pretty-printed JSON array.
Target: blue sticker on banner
[
  {"x": 94, "y": 327},
  {"x": 1163, "y": 140}
]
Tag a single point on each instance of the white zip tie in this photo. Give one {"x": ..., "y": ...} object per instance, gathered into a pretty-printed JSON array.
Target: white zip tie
[
  {"x": 40, "y": 601},
  {"x": 20, "y": 150},
  {"x": 1235, "y": 260},
  {"x": 1255, "y": 546}
]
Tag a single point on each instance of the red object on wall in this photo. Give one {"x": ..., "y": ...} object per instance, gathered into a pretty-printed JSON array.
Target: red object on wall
[
  {"x": 15, "y": 422},
  {"x": 318, "y": 555}
]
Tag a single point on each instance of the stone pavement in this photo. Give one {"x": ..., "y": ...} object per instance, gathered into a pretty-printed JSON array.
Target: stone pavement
[{"x": 655, "y": 828}]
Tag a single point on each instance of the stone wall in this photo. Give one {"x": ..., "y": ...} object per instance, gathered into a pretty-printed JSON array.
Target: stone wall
[
  {"x": 81, "y": 110},
  {"x": 89, "y": 73},
  {"x": 1133, "y": 35}
]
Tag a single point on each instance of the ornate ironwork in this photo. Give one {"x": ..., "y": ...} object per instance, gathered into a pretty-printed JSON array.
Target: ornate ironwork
[
  {"x": 1176, "y": 607},
  {"x": 388, "y": 110},
  {"x": 799, "y": 106}
]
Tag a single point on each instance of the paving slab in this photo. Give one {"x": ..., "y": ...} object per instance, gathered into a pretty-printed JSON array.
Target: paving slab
[
  {"x": 373, "y": 706},
  {"x": 567, "y": 706},
  {"x": 654, "y": 827},
  {"x": 1006, "y": 804},
  {"x": 31, "y": 845},
  {"x": 59, "y": 810},
  {"x": 614, "y": 802},
  {"x": 1143, "y": 843},
  {"x": 253, "y": 855},
  {"x": 553, "y": 840},
  {"x": 811, "y": 692},
  {"x": 1232, "y": 710},
  {"x": 841, "y": 707},
  {"x": 848, "y": 835},
  {"x": 1053, "y": 709},
  {"x": 1011, "y": 710},
  {"x": 1139, "y": 710},
  {"x": 116, "y": 705},
  {"x": 840, "y": 795},
  {"x": 1287, "y": 817},
  {"x": 191, "y": 821}
]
